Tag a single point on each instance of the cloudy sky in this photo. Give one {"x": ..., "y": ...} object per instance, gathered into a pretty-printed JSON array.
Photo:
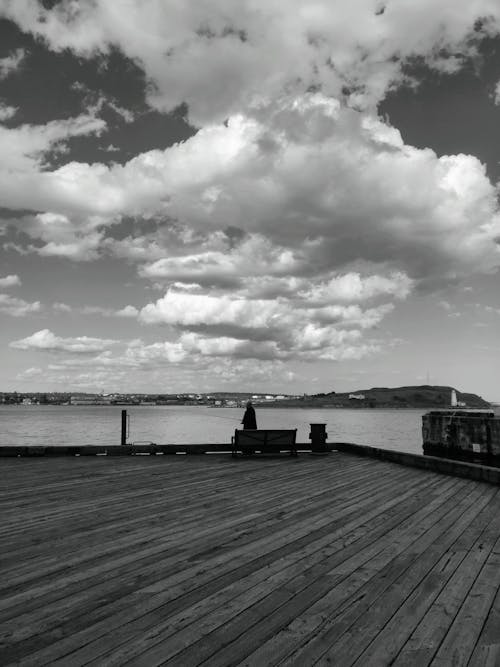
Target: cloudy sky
[{"x": 259, "y": 195}]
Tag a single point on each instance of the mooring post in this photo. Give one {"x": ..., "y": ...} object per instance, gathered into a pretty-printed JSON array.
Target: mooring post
[{"x": 123, "y": 439}]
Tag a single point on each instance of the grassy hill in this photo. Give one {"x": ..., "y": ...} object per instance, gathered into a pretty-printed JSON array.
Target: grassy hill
[{"x": 422, "y": 396}]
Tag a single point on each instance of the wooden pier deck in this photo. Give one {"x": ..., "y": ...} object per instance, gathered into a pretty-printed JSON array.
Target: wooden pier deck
[{"x": 188, "y": 560}]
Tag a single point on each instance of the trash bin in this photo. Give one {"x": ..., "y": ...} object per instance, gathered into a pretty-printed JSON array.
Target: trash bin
[{"x": 318, "y": 436}]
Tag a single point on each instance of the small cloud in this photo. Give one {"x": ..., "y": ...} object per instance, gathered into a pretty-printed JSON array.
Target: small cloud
[
  {"x": 128, "y": 311},
  {"x": 62, "y": 307},
  {"x": 11, "y": 63},
  {"x": 79, "y": 248},
  {"x": 126, "y": 114},
  {"x": 18, "y": 307},
  {"x": 6, "y": 112},
  {"x": 95, "y": 310},
  {"x": 445, "y": 305},
  {"x": 96, "y": 104},
  {"x": 29, "y": 373},
  {"x": 496, "y": 94},
  {"x": 46, "y": 340},
  {"x": 10, "y": 281}
]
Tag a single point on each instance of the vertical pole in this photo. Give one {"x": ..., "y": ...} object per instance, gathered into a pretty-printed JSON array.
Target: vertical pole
[{"x": 123, "y": 440}]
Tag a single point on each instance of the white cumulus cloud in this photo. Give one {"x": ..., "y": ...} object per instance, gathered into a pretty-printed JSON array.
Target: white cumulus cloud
[
  {"x": 46, "y": 340},
  {"x": 264, "y": 328},
  {"x": 220, "y": 56},
  {"x": 7, "y": 112},
  {"x": 10, "y": 281},
  {"x": 15, "y": 307}
]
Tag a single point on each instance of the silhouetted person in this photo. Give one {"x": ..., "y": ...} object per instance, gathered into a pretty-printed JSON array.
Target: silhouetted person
[{"x": 249, "y": 420}]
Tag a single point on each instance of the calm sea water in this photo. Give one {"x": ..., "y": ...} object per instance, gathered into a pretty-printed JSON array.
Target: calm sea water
[{"x": 100, "y": 425}]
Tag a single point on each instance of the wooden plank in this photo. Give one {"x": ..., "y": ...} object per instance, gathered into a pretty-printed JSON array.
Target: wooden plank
[
  {"x": 309, "y": 583},
  {"x": 302, "y": 599},
  {"x": 456, "y": 570},
  {"x": 487, "y": 650},
  {"x": 428, "y": 635},
  {"x": 117, "y": 503},
  {"x": 420, "y": 529},
  {"x": 277, "y": 497},
  {"x": 87, "y": 538},
  {"x": 349, "y": 628},
  {"x": 462, "y": 637},
  {"x": 211, "y": 558},
  {"x": 191, "y": 574},
  {"x": 219, "y": 605},
  {"x": 273, "y": 531},
  {"x": 196, "y": 628},
  {"x": 183, "y": 494}
]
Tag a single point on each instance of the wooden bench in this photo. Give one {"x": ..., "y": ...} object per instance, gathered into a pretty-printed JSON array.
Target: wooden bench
[{"x": 248, "y": 441}]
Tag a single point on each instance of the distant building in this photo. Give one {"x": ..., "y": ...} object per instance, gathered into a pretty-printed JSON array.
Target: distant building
[
  {"x": 357, "y": 397},
  {"x": 455, "y": 403}
]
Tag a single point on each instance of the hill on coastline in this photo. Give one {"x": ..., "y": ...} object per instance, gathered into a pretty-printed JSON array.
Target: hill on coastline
[{"x": 421, "y": 396}]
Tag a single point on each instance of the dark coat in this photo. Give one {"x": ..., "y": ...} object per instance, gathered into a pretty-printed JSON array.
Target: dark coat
[{"x": 249, "y": 420}]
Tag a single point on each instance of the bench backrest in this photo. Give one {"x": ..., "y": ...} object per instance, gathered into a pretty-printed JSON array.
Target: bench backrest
[{"x": 274, "y": 437}]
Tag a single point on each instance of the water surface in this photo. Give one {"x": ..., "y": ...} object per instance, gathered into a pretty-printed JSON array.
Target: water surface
[{"x": 100, "y": 425}]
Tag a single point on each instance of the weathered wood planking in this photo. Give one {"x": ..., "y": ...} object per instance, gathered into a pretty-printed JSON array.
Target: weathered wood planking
[{"x": 186, "y": 560}]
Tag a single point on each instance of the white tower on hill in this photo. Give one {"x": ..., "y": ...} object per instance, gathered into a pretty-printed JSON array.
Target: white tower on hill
[{"x": 454, "y": 401}]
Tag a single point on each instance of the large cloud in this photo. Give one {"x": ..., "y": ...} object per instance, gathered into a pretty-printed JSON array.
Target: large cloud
[
  {"x": 220, "y": 56},
  {"x": 264, "y": 328},
  {"x": 323, "y": 186}
]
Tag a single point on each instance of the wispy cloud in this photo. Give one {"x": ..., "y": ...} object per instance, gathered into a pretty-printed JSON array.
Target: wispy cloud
[
  {"x": 10, "y": 305},
  {"x": 48, "y": 341},
  {"x": 11, "y": 62}
]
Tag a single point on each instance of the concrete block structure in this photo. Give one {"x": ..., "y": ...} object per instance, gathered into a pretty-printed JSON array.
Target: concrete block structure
[{"x": 462, "y": 434}]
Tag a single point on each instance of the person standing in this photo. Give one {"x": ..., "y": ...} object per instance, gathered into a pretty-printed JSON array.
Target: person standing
[{"x": 249, "y": 420}]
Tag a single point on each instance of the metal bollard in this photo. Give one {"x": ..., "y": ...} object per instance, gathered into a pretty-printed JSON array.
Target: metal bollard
[{"x": 318, "y": 437}]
